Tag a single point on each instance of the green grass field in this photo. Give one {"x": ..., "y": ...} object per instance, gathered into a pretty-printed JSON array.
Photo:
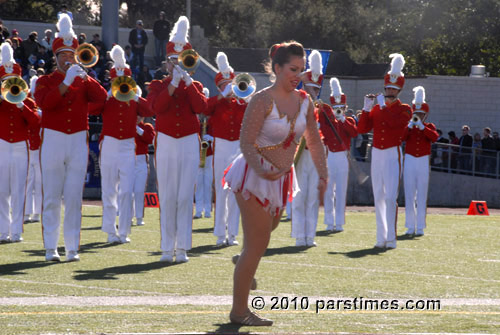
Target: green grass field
[{"x": 125, "y": 289}]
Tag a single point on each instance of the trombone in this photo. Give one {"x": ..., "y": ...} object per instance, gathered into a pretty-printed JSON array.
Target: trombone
[
  {"x": 189, "y": 60},
  {"x": 244, "y": 85},
  {"x": 86, "y": 55},
  {"x": 124, "y": 88},
  {"x": 14, "y": 90}
]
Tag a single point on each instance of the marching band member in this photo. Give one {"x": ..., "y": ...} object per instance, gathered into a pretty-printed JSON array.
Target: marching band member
[
  {"x": 63, "y": 96},
  {"x": 15, "y": 120},
  {"x": 117, "y": 152},
  {"x": 338, "y": 140},
  {"x": 176, "y": 100},
  {"x": 419, "y": 136},
  {"x": 203, "y": 194},
  {"x": 262, "y": 176},
  {"x": 226, "y": 114},
  {"x": 33, "y": 206},
  {"x": 145, "y": 134},
  {"x": 305, "y": 204},
  {"x": 388, "y": 119}
]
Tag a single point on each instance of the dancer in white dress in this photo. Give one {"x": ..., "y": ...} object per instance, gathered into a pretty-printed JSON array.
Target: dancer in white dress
[{"x": 262, "y": 176}]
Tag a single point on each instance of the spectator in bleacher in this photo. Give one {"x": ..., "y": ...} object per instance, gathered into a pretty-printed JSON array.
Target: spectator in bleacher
[
  {"x": 101, "y": 49},
  {"x": 64, "y": 9},
  {"x": 496, "y": 138},
  {"x": 15, "y": 34},
  {"x": 161, "y": 31},
  {"x": 128, "y": 54},
  {"x": 138, "y": 40},
  {"x": 29, "y": 47},
  {"x": 106, "y": 80},
  {"x": 162, "y": 71},
  {"x": 143, "y": 78},
  {"x": 477, "y": 151},
  {"x": 47, "y": 41},
  {"x": 489, "y": 152},
  {"x": 455, "y": 141},
  {"x": 82, "y": 38},
  {"x": 440, "y": 152},
  {"x": 465, "y": 153},
  {"x": 44, "y": 56},
  {"x": 4, "y": 32},
  {"x": 16, "y": 46}
]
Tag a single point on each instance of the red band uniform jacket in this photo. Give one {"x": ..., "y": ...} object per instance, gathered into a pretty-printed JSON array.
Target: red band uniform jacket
[
  {"x": 388, "y": 124},
  {"x": 176, "y": 114}
]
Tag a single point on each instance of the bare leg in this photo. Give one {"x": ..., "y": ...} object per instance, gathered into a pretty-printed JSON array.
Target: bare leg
[
  {"x": 257, "y": 224},
  {"x": 276, "y": 220}
]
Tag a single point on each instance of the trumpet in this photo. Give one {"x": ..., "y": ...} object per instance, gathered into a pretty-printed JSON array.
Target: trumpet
[
  {"x": 243, "y": 85},
  {"x": 124, "y": 88},
  {"x": 415, "y": 119},
  {"x": 339, "y": 112},
  {"x": 86, "y": 55},
  {"x": 14, "y": 90},
  {"x": 189, "y": 60}
]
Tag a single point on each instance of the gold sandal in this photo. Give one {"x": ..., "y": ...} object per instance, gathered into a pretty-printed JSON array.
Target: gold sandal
[
  {"x": 250, "y": 319},
  {"x": 254, "y": 281}
]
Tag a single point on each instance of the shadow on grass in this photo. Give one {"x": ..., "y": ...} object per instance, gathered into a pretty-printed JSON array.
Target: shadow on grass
[
  {"x": 19, "y": 268},
  {"x": 205, "y": 249},
  {"x": 91, "y": 216},
  {"x": 405, "y": 237},
  {"x": 91, "y": 228},
  {"x": 285, "y": 250},
  {"x": 111, "y": 273},
  {"x": 203, "y": 230},
  {"x": 360, "y": 253},
  {"x": 227, "y": 328},
  {"x": 327, "y": 233}
]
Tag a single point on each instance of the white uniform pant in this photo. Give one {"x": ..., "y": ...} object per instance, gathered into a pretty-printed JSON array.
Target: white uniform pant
[
  {"x": 117, "y": 163},
  {"x": 336, "y": 190},
  {"x": 177, "y": 161},
  {"x": 386, "y": 174},
  {"x": 64, "y": 165},
  {"x": 203, "y": 194},
  {"x": 14, "y": 171},
  {"x": 34, "y": 186},
  {"x": 227, "y": 212},
  {"x": 140, "y": 180},
  {"x": 416, "y": 179},
  {"x": 305, "y": 204}
]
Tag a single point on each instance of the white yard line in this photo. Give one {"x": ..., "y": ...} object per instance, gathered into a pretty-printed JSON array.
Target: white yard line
[{"x": 197, "y": 300}]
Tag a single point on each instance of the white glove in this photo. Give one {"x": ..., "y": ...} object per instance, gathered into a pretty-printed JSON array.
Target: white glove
[
  {"x": 20, "y": 105},
  {"x": 176, "y": 78},
  {"x": 342, "y": 118},
  {"x": 207, "y": 138},
  {"x": 73, "y": 72},
  {"x": 187, "y": 78},
  {"x": 227, "y": 90},
  {"x": 411, "y": 124},
  {"x": 139, "y": 130},
  {"x": 138, "y": 94},
  {"x": 381, "y": 100},
  {"x": 368, "y": 104},
  {"x": 420, "y": 125}
]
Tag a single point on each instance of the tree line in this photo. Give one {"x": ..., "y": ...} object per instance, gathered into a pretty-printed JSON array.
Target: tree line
[{"x": 441, "y": 37}]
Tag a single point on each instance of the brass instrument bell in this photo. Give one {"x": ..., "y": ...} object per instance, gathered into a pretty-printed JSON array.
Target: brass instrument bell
[
  {"x": 124, "y": 88},
  {"x": 244, "y": 85},
  {"x": 86, "y": 55},
  {"x": 14, "y": 90},
  {"x": 189, "y": 60}
]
